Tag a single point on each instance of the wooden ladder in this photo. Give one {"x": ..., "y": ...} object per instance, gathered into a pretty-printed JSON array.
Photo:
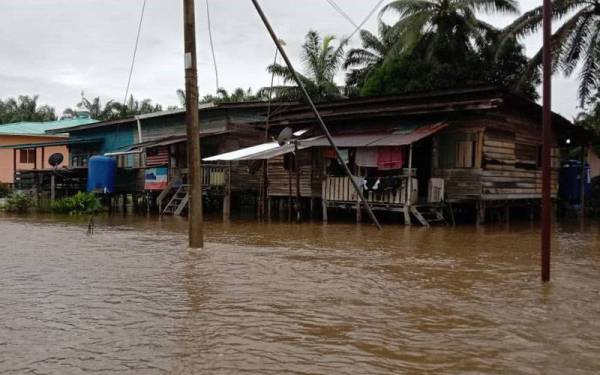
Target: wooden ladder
[
  {"x": 178, "y": 202},
  {"x": 428, "y": 214}
]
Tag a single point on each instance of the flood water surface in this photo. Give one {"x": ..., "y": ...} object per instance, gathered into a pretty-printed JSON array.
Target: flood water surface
[{"x": 295, "y": 299}]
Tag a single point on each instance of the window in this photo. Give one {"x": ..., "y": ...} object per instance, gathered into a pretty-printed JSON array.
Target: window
[
  {"x": 457, "y": 150},
  {"x": 27, "y": 156},
  {"x": 527, "y": 156},
  {"x": 79, "y": 161}
]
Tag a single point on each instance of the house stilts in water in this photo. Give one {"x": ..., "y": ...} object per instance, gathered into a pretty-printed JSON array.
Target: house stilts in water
[
  {"x": 151, "y": 154},
  {"x": 423, "y": 156},
  {"x": 476, "y": 150}
]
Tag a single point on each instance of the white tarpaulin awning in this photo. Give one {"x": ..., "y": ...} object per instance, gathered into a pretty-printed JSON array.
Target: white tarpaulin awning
[{"x": 258, "y": 152}]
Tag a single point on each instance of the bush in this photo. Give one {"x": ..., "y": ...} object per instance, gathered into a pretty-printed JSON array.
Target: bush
[
  {"x": 79, "y": 204},
  {"x": 18, "y": 202},
  {"x": 4, "y": 190}
]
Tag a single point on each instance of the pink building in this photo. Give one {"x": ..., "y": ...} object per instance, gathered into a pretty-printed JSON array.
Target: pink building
[{"x": 26, "y": 146}]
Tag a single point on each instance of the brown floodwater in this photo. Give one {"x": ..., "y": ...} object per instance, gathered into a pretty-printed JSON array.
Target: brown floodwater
[{"x": 296, "y": 299}]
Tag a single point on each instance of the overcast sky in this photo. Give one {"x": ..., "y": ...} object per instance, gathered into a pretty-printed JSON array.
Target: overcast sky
[{"x": 59, "y": 48}]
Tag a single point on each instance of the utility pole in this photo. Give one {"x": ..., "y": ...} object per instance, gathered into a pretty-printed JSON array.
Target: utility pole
[
  {"x": 547, "y": 147},
  {"x": 315, "y": 111},
  {"x": 192, "y": 121}
]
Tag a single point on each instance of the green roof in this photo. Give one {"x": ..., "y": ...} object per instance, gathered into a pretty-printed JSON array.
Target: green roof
[{"x": 40, "y": 128}]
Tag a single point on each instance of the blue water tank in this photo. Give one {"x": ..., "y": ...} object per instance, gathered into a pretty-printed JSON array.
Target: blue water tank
[
  {"x": 570, "y": 181},
  {"x": 101, "y": 174}
]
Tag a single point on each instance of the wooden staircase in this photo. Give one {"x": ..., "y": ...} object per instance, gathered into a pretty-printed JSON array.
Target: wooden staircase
[
  {"x": 428, "y": 214},
  {"x": 178, "y": 202}
]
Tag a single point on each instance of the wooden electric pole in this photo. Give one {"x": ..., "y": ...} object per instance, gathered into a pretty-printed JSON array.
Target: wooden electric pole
[
  {"x": 195, "y": 220},
  {"x": 547, "y": 147}
]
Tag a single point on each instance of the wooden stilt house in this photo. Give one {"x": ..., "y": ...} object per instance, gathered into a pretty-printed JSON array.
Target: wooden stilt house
[{"x": 415, "y": 154}]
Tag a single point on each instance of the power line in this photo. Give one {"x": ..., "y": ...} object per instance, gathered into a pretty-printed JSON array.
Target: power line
[
  {"x": 338, "y": 9},
  {"x": 137, "y": 41},
  {"x": 367, "y": 18},
  {"x": 212, "y": 46}
]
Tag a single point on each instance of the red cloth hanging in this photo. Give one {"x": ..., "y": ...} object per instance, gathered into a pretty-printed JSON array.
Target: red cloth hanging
[
  {"x": 390, "y": 157},
  {"x": 329, "y": 153}
]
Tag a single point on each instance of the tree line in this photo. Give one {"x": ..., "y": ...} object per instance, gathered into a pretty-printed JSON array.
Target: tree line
[{"x": 429, "y": 45}]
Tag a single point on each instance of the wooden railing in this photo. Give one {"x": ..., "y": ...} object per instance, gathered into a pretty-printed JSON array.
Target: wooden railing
[
  {"x": 213, "y": 175},
  {"x": 340, "y": 189}
]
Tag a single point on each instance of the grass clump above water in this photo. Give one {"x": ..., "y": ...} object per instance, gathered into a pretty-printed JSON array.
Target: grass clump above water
[
  {"x": 18, "y": 203},
  {"x": 79, "y": 204}
]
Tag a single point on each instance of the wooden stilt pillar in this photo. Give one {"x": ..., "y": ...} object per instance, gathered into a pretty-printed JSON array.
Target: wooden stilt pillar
[
  {"x": 408, "y": 201},
  {"x": 227, "y": 195},
  {"x": 406, "y": 211},
  {"x": 312, "y": 208},
  {"x": 53, "y": 187},
  {"x": 531, "y": 213},
  {"x": 451, "y": 209},
  {"x": 281, "y": 206},
  {"x": 125, "y": 203},
  {"x": 269, "y": 204},
  {"x": 358, "y": 211},
  {"x": 324, "y": 204},
  {"x": 480, "y": 215}
]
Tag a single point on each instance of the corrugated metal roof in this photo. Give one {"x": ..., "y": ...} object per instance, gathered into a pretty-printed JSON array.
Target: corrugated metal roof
[
  {"x": 264, "y": 151},
  {"x": 40, "y": 128},
  {"x": 64, "y": 142},
  {"x": 162, "y": 141},
  {"x": 402, "y": 137}
]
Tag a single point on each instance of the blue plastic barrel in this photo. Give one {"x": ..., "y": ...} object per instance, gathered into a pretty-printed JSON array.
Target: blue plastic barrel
[
  {"x": 570, "y": 181},
  {"x": 101, "y": 175}
]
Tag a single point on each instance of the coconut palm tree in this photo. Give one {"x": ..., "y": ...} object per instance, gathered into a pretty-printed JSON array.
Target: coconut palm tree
[
  {"x": 375, "y": 49},
  {"x": 444, "y": 29},
  {"x": 25, "y": 108},
  {"x": 112, "y": 110},
  {"x": 575, "y": 43},
  {"x": 321, "y": 60}
]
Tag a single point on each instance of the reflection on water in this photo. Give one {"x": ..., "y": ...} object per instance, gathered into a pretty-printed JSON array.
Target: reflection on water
[{"x": 302, "y": 299}]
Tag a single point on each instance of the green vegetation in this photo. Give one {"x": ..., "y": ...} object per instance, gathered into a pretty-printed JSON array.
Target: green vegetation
[
  {"x": 322, "y": 60},
  {"x": 574, "y": 44},
  {"x": 112, "y": 110},
  {"x": 79, "y": 204},
  {"x": 18, "y": 203},
  {"x": 361, "y": 62},
  {"x": 4, "y": 190},
  {"x": 442, "y": 45},
  {"x": 24, "y": 108}
]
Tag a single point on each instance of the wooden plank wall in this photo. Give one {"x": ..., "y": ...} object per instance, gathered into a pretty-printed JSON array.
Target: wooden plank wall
[
  {"x": 506, "y": 164},
  {"x": 461, "y": 183},
  {"x": 511, "y": 160},
  {"x": 310, "y": 186},
  {"x": 243, "y": 177}
]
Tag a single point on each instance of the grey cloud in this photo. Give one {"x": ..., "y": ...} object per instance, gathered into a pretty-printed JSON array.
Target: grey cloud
[{"x": 57, "y": 48}]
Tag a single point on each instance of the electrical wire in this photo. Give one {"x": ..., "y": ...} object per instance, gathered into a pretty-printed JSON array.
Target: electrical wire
[
  {"x": 135, "y": 48},
  {"x": 338, "y": 9},
  {"x": 212, "y": 46},
  {"x": 137, "y": 41},
  {"x": 367, "y": 18}
]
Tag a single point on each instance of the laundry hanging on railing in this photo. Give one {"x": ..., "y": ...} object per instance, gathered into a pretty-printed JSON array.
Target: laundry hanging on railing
[
  {"x": 329, "y": 153},
  {"x": 366, "y": 157},
  {"x": 390, "y": 157}
]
